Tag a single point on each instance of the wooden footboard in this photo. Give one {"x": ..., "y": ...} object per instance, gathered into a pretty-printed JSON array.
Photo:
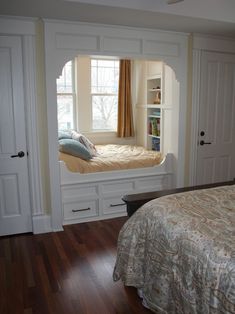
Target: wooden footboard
[{"x": 135, "y": 201}]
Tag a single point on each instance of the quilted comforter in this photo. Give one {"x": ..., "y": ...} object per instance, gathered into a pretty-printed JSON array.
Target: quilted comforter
[{"x": 180, "y": 251}]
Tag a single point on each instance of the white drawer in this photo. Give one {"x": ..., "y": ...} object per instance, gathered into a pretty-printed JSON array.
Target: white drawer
[
  {"x": 152, "y": 184},
  {"x": 72, "y": 192},
  {"x": 119, "y": 187},
  {"x": 81, "y": 209},
  {"x": 113, "y": 205}
]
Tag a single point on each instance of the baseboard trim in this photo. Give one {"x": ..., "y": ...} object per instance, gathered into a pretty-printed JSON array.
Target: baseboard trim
[{"x": 41, "y": 224}]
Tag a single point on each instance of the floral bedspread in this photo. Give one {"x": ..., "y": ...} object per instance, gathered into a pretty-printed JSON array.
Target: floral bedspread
[{"x": 180, "y": 251}]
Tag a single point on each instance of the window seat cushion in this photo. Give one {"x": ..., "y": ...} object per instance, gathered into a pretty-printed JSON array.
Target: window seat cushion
[{"x": 113, "y": 157}]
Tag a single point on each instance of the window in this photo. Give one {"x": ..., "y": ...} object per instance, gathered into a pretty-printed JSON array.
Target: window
[
  {"x": 104, "y": 94},
  {"x": 66, "y": 97}
]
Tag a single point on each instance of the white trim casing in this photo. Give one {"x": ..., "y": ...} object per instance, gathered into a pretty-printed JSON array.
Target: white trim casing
[
  {"x": 11, "y": 25},
  {"x": 202, "y": 43},
  {"x": 25, "y": 28},
  {"x": 31, "y": 118},
  {"x": 213, "y": 43},
  {"x": 195, "y": 115},
  {"x": 65, "y": 40}
]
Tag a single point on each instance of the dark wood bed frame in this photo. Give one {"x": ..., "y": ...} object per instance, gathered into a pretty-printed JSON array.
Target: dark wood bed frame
[{"x": 135, "y": 201}]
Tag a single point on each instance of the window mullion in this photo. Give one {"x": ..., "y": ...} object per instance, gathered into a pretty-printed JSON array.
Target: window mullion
[
  {"x": 104, "y": 94},
  {"x": 65, "y": 94}
]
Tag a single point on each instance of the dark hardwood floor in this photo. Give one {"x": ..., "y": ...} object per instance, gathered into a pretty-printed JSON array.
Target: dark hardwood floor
[{"x": 64, "y": 272}]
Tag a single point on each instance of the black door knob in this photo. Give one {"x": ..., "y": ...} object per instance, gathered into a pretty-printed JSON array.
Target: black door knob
[
  {"x": 19, "y": 155},
  {"x": 202, "y": 133}
]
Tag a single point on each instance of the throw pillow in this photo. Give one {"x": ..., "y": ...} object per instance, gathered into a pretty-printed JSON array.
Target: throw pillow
[
  {"x": 64, "y": 134},
  {"x": 85, "y": 141},
  {"x": 75, "y": 148}
]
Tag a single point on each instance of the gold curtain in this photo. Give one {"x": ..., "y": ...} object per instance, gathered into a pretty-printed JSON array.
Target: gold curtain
[{"x": 125, "y": 126}]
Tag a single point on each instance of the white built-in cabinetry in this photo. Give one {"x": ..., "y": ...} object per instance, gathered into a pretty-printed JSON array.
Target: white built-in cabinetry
[
  {"x": 154, "y": 104},
  {"x": 89, "y": 197}
]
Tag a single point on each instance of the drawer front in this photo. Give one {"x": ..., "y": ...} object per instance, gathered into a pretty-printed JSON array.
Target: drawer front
[
  {"x": 81, "y": 209},
  {"x": 113, "y": 205},
  {"x": 71, "y": 192},
  {"x": 152, "y": 184},
  {"x": 112, "y": 188}
]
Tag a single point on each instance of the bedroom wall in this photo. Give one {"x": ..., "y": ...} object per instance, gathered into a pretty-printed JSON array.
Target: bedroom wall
[{"x": 42, "y": 114}]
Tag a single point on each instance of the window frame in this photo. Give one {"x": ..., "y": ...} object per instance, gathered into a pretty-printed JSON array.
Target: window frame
[
  {"x": 73, "y": 93},
  {"x": 101, "y": 94}
]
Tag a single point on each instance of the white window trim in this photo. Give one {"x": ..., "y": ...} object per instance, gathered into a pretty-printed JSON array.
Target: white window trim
[{"x": 73, "y": 93}]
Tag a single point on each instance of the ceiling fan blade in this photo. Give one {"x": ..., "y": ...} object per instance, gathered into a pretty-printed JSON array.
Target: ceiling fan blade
[{"x": 173, "y": 1}]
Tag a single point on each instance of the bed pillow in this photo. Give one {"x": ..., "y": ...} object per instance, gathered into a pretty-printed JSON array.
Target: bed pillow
[
  {"x": 75, "y": 148},
  {"x": 84, "y": 140},
  {"x": 64, "y": 134}
]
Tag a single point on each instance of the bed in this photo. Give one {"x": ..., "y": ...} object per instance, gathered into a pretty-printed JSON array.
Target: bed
[
  {"x": 98, "y": 195},
  {"x": 179, "y": 252}
]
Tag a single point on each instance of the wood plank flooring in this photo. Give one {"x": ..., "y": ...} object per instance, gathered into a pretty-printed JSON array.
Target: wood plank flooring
[{"x": 65, "y": 272}]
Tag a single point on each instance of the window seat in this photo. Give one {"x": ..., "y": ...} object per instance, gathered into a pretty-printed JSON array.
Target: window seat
[{"x": 113, "y": 157}]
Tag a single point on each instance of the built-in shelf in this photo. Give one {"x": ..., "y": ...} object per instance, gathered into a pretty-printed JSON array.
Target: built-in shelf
[
  {"x": 153, "y": 116},
  {"x": 154, "y": 106},
  {"x": 154, "y": 90},
  {"x": 150, "y": 135}
]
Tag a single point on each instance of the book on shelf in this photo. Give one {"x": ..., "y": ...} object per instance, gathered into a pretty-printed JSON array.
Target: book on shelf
[{"x": 156, "y": 144}]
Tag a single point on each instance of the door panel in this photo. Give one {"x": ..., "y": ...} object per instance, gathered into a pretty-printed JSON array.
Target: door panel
[
  {"x": 216, "y": 158},
  {"x": 10, "y": 195},
  {"x": 15, "y": 215}
]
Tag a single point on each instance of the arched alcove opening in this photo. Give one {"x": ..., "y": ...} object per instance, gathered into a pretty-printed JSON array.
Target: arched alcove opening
[{"x": 66, "y": 41}]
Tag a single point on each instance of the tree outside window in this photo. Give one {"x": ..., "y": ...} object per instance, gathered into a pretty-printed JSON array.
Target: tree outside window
[{"x": 104, "y": 94}]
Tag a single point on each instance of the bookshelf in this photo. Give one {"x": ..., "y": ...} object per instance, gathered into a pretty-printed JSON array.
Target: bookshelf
[{"x": 154, "y": 107}]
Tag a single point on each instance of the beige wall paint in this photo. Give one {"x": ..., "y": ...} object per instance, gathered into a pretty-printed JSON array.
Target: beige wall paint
[
  {"x": 83, "y": 94},
  {"x": 42, "y": 114}
]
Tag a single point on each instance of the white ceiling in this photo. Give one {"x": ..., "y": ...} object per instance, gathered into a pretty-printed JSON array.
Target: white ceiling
[
  {"x": 199, "y": 16},
  {"x": 217, "y": 10}
]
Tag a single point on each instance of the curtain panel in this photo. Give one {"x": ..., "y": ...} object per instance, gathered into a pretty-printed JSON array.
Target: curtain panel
[{"x": 125, "y": 126}]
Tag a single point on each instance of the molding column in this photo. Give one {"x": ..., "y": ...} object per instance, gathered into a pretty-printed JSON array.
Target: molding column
[
  {"x": 41, "y": 222},
  {"x": 195, "y": 115}
]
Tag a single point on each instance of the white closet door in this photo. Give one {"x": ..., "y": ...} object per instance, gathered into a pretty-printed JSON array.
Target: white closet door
[
  {"x": 15, "y": 215},
  {"x": 216, "y": 132}
]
